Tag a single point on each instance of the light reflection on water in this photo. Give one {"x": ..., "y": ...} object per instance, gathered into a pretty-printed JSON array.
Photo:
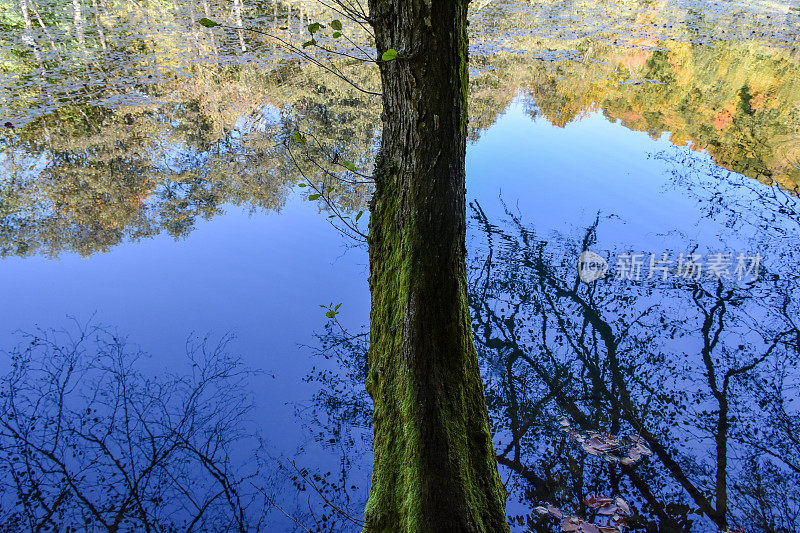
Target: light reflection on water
[{"x": 148, "y": 183}]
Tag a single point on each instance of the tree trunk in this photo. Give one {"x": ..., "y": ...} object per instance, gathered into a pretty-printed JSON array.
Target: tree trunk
[{"x": 435, "y": 466}]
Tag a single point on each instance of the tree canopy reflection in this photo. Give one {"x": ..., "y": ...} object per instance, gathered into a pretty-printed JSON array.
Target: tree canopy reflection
[
  {"x": 122, "y": 163},
  {"x": 703, "y": 371}
]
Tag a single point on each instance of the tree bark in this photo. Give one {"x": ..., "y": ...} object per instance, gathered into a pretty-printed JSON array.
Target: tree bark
[{"x": 435, "y": 467}]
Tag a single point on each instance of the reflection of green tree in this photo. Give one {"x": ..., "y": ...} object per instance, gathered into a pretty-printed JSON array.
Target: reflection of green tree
[
  {"x": 138, "y": 171},
  {"x": 112, "y": 174}
]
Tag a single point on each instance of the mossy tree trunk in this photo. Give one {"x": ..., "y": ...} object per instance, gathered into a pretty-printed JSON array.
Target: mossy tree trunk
[{"x": 435, "y": 469}]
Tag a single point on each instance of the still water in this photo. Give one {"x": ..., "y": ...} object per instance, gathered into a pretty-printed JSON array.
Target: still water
[{"x": 169, "y": 251}]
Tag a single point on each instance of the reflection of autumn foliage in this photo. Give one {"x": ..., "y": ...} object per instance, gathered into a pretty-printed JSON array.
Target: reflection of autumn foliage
[
  {"x": 740, "y": 102},
  {"x": 137, "y": 171}
]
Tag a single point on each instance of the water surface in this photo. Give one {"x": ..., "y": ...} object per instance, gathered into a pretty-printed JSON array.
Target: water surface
[{"x": 152, "y": 184}]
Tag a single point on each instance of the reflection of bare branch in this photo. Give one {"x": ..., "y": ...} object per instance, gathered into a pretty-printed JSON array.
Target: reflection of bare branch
[
  {"x": 88, "y": 439},
  {"x": 600, "y": 353}
]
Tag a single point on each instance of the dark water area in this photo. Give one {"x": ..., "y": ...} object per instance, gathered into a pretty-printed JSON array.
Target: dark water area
[{"x": 183, "y": 328}]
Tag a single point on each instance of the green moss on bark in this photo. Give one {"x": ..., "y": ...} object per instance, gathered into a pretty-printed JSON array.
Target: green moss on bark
[{"x": 435, "y": 467}]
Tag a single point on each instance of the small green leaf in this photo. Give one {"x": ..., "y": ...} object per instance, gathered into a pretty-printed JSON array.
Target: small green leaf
[
  {"x": 302, "y": 185},
  {"x": 359, "y": 215},
  {"x": 208, "y": 23},
  {"x": 389, "y": 54},
  {"x": 313, "y": 196},
  {"x": 330, "y": 314},
  {"x": 337, "y": 307},
  {"x": 299, "y": 138},
  {"x": 312, "y": 42},
  {"x": 349, "y": 166},
  {"x": 336, "y": 24},
  {"x": 336, "y": 34},
  {"x": 329, "y": 189},
  {"x": 314, "y": 27}
]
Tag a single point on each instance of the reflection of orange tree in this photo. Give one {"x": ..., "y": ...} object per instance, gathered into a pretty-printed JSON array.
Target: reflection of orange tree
[{"x": 738, "y": 101}]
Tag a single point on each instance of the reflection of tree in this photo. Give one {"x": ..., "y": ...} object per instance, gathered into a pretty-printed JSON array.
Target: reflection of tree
[
  {"x": 128, "y": 173},
  {"x": 704, "y": 371},
  {"x": 87, "y": 440},
  {"x": 736, "y": 101},
  {"x": 85, "y": 178},
  {"x": 676, "y": 363}
]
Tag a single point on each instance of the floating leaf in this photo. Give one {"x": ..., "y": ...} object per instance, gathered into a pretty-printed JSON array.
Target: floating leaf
[
  {"x": 389, "y": 54},
  {"x": 623, "y": 506},
  {"x": 314, "y": 196},
  {"x": 208, "y": 23},
  {"x": 336, "y": 24}
]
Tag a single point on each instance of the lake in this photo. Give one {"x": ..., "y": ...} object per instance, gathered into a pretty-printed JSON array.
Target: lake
[{"x": 183, "y": 271}]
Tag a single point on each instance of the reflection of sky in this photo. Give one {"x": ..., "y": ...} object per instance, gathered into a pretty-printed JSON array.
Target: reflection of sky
[
  {"x": 264, "y": 276},
  {"x": 561, "y": 178}
]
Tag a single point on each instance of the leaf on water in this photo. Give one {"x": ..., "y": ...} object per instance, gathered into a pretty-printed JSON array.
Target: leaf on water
[
  {"x": 208, "y": 23},
  {"x": 389, "y": 54},
  {"x": 626, "y": 450},
  {"x": 314, "y": 196},
  {"x": 573, "y": 523},
  {"x": 596, "y": 502},
  {"x": 336, "y": 24},
  {"x": 623, "y": 506},
  {"x": 555, "y": 511},
  {"x": 299, "y": 138}
]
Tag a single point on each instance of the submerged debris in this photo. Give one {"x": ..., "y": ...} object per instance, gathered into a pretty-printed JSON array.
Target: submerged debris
[
  {"x": 611, "y": 513},
  {"x": 625, "y": 449}
]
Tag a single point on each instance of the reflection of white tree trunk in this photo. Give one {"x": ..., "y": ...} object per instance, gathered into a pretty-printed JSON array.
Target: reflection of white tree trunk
[
  {"x": 100, "y": 31},
  {"x": 80, "y": 33},
  {"x": 23, "y": 6},
  {"x": 27, "y": 36},
  {"x": 207, "y": 10},
  {"x": 237, "y": 13},
  {"x": 38, "y": 15}
]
